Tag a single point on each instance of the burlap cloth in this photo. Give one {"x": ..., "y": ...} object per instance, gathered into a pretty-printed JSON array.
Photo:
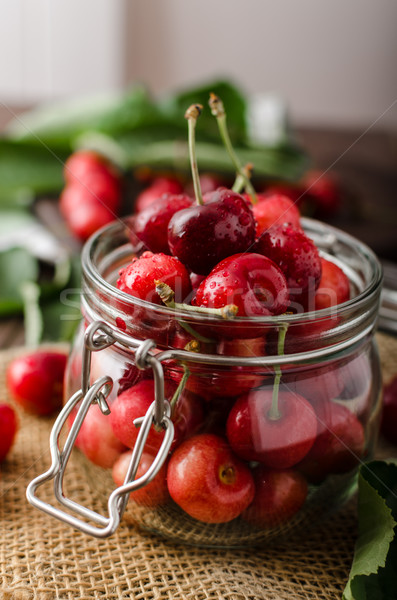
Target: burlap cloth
[{"x": 42, "y": 558}]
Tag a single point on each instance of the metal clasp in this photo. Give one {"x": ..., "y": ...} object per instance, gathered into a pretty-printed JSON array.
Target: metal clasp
[{"x": 99, "y": 335}]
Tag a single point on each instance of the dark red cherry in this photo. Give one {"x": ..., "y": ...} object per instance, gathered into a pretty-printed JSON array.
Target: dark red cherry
[
  {"x": 201, "y": 236},
  {"x": 339, "y": 445},
  {"x": 150, "y": 225},
  {"x": 298, "y": 258}
]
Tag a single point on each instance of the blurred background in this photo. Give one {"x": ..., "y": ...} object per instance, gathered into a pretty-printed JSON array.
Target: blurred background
[
  {"x": 318, "y": 81},
  {"x": 334, "y": 64}
]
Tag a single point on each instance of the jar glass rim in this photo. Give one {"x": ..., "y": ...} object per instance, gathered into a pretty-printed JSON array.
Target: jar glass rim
[{"x": 371, "y": 289}]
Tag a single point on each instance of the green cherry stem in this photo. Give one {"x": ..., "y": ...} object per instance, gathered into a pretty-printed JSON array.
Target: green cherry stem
[
  {"x": 239, "y": 182},
  {"x": 274, "y": 412},
  {"x": 179, "y": 389},
  {"x": 192, "y": 114},
  {"x": 218, "y": 111},
  {"x": 167, "y": 295}
]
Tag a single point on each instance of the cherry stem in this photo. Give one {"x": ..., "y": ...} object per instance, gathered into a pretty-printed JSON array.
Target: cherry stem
[
  {"x": 192, "y": 114},
  {"x": 218, "y": 111},
  {"x": 274, "y": 412},
  {"x": 167, "y": 295},
  {"x": 240, "y": 181},
  {"x": 179, "y": 389}
]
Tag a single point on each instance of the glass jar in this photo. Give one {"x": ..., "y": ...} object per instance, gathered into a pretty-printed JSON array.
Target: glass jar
[{"x": 279, "y": 410}]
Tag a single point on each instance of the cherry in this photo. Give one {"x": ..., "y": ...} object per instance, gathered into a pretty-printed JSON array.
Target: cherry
[
  {"x": 277, "y": 434},
  {"x": 317, "y": 384},
  {"x": 216, "y": 227},
  {"x": 155, "y": 493},
  {"x": 230, "y": 382},
  {"x": 279, "y": 495},
  {"x": 321, "y": 192},
  {"x": 84, "y": 167},
  {"x": 339, "y": 444},
  {"x": 207, "y": 481},
  {"x": 274, "y": 209},
  {"x": 35, "y": 381},
  {"x": 334, "y": 286},
  {"x": 187, "y": 414},
  {"x": 8, "y": 429},
  {"x": 96, "y": 439},
  {"x": 82, "y": 212},
  {"x": 158, "y": 187},
  {"x": 138, "y": 278},
  {"x": 151, "y": 224},
  {"x": 250, "y": 281},
  {"x": 92, "y": 195},
  {"x": 297, "y": 256},
  {"x": 389, "y": 411},
  {"x": 203, "y": 235}
]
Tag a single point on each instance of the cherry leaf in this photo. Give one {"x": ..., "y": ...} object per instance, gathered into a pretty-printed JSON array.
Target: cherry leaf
[{"x": 373, "y": 574}]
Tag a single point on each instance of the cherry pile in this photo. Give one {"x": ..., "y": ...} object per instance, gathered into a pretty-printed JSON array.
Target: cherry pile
[{"x": 248, "y": 443}]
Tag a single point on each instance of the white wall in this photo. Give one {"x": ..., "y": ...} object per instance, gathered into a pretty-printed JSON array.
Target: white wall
[
  {"x": 335, "y": 62},
  {"x": 51, "y": 48}
]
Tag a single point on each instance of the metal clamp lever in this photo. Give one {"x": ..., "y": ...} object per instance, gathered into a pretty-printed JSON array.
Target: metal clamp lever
[{"x": 117, "y": 500}]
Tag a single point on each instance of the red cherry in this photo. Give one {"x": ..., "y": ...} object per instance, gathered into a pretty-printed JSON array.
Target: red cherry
[
  {"x": 334, "y": 286},
  {"x": 321, "y": 192},
  {"x": 159, "y": 187},
  {"x": 151, "y": 224},
  {"x": 207, "y": 481},
  {"x": 152, "y": 494},
  {"x": 297, "y": 256},
  {"x": 82, "y": 212},
  {"x": 204, "y": 234},
  {"x": 80, "y": 167},
  {"x": 339, "y": 444},
  {"x": 279, "y": 495},
  {"x": 96, "y": 439},
  {"x": 389, "y": 412},
  {"x": 138, "y": 278},
  {"x": 317, "y": 384},
  {"x": 276, "y": 442},
  {"x": 274, "y": 209},
  {"x": 250, "y": 281},
  {"x": 35, "y": 381},
  {"x": 8, "y": 429},
  {"x": 134, "y": 402}
]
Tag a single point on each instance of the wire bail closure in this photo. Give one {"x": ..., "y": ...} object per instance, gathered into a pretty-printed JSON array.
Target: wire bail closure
[{"x": 98, "y": 336}]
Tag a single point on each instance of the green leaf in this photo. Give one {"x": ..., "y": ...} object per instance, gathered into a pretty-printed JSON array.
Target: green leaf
[
  {"x": 26, "y": 171},
  {"x": 62, "y": 314},
  {"x": 373, "y": 574},
  {"x": 16, "y": 267},
  {"x": 61, "y": 122},
  {"x": 285, "y": 164},
  {"x": 61, "y": 319},
  {"x": 175, "y": 105}
]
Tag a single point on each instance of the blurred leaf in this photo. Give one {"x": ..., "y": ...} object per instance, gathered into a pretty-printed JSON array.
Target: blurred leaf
[
  {"x": 175, "y": 105},
  {"x": 27, "y": 170},
  {"x": 280, "y": 163},
  {"x": 62, "y": 314},
  {"x": 373, "y": 574},
  {"x": 61, "y": 122},
  {"x": 16, "y": 267},
  {"x": 60, "y": 318}
]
